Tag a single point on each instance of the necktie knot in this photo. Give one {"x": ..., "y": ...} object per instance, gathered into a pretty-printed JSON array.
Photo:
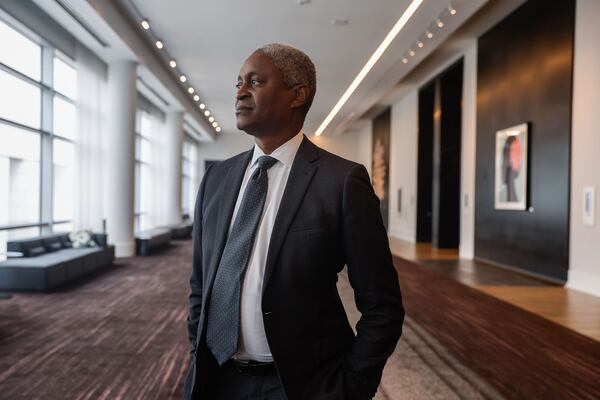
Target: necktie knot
[{"x": 266, "y": 162}]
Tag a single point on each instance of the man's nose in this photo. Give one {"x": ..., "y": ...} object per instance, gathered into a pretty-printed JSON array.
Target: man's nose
[{"x": 242, "y": 92}]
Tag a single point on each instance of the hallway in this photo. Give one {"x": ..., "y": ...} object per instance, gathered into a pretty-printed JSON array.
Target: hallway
[{"x": 121, "y": 335}]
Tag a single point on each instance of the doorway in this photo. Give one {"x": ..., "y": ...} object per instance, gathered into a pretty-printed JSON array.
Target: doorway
[{"x": 438, "y": 168}]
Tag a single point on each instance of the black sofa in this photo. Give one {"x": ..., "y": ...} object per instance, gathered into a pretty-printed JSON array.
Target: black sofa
[
  {"x": 151, "y": 239},
  {"x": 182, "y": 231},
  {"x": 50, "y": 261}
]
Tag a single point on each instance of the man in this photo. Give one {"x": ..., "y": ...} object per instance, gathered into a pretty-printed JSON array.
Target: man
[{"x": 273, "y": 227}]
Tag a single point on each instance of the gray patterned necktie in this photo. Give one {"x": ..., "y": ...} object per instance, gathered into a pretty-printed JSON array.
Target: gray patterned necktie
[{"x": 224, "y": 306}]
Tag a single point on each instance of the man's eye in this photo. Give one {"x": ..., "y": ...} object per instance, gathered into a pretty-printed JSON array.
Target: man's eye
[
  {"x": 255, "y": 81},
  {"x": 238, "y": 85}
]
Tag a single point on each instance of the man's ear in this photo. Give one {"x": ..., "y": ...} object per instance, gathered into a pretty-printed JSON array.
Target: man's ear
[{"x": 301, "y": 93}]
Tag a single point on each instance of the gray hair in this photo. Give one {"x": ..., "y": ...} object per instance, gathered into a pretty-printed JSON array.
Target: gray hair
[{"x": 296, "y": 67}]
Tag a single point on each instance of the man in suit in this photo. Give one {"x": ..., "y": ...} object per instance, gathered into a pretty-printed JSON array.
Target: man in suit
[{"x": 273, "y": 227}]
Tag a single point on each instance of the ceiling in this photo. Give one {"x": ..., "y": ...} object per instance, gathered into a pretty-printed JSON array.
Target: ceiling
[{"x": 211, "y": 39}]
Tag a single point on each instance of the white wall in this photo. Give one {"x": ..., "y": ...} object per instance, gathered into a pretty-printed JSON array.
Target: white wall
[
  {"x": 584, "y": 268},
  {"x": 226, "y": 146},
  {"x": 469, "y": 133},
  {"x": 403, "y": 166},
  {"x": 353, "y": 145}
]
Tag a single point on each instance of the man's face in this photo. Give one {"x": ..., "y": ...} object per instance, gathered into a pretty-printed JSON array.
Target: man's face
[{"x": 263, "y": 101}]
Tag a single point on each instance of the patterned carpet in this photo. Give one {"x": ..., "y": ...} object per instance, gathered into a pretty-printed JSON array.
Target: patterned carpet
[{"x": 121, "y": 335}]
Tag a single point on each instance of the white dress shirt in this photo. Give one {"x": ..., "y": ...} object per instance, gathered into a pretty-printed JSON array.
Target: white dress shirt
[{"x": 252, "y": 344}]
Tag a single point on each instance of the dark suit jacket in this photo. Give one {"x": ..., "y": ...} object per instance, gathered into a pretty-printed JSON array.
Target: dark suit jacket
[{"x": 329, "y": 217}]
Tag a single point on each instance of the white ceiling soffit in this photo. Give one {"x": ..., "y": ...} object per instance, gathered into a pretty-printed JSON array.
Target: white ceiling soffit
[
  {"x": 390, "y": 69},
  {"x": 448, "y": 52},
  {"x": 211, "y": 39},
  {"x": 103, "y": 29}
]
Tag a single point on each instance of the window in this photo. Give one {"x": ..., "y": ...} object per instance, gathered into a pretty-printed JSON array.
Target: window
[
  {"x": 23, "y": 104},
  {"x": 189, "y": 167},
  {"x": 63, "y": 146},
  {"x": 33, "y": 201},
  {"x": 143, "y": 161},
  {"x": 19, "y": 52}
]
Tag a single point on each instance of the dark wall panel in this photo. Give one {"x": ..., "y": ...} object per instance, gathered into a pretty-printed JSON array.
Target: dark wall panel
[
  {"x": 451, "y": 84},
  {"x": 525, "y": 66},
  {"x": 425, "y": 164}
]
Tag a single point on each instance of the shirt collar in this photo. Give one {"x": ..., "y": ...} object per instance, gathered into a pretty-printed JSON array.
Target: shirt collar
[{"x": 285, "y": 153}]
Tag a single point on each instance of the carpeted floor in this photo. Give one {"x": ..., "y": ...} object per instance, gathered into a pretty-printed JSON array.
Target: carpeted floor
[{"x": 121, "y": 335}]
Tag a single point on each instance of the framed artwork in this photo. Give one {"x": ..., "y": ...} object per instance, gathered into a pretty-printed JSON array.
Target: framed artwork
[{"x": 511, "y": 168}]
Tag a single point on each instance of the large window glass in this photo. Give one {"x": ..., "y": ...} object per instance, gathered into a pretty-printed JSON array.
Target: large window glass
[
  {"x": 19, "y": 176},
  {"x": 65, "y": 78},
  {"x": 63, "y": 180},
  {"x": 20, "y": 100},
  {"x": 143, "y": 162},
  {"x": 64, "y": 118},
  {"x": 189, "y": 167},
  {"x": 29, "y": 205},
  {"x": 19, "y": 52}
]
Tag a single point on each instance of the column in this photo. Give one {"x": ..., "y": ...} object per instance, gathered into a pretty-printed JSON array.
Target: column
[
  {"x": 120, "y": 156},
  {"x": 173, "y": 158}
]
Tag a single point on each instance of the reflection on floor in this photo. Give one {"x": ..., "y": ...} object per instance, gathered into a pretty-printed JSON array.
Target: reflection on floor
[
  {"x": 523, "y": 354},
  {"x": 570, "y": 308}
]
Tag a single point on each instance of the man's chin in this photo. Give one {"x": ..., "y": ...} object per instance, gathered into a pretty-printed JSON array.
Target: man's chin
[{"x": 245, "y": 126}]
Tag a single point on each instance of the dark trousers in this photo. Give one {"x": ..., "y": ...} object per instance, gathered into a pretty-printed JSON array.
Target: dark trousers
[{"x": 231, "y": 384}]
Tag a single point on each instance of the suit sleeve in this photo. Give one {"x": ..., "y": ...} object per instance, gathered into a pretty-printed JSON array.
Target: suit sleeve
[
  {"x": 195, "y": 297},
  {"x": 376, "y": 289}
]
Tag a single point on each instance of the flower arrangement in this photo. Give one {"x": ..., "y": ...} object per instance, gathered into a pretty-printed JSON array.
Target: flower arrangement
[{"x": 81, "y": 239}]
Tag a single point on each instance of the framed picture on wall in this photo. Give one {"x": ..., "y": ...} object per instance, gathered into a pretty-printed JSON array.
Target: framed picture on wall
[{"x": 511, "y": 168}]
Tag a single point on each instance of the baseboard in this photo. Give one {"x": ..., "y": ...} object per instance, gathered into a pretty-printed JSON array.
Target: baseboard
[
  {"x": 521, "y": 271},
  {"x": 585, "y": 282},
  {"x": 401, "y": 235}
]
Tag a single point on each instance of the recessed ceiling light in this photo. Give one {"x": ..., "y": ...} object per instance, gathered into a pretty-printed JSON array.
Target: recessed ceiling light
[
  {"x": 159, "y": 44},
  {"x": 211, "y": 119},
  {"x": 207, "y": 113},
  {"x": 190, "y": 90},
  {"x": 404, "y": 60},
  {"x": 182, "y": 78},
  {"x": 172, "y": 63},
  {"x": 439, "y": 23},
  {"x": 412, "y": 53},
  {"x": 145, "y": 24},
  {"x": 202, "y": 106},
  {"x": 218, "y": 129},
  {"x": 339, "y": 21},
  {"x": 406, "y": 15},
  {"x": 196, "y": 97},
  {"x": 215, "y": 124},
  {"x": 429, "y": 34},
  {"x": 420, "y": 44},
  {"x": 452, "y": 10}
]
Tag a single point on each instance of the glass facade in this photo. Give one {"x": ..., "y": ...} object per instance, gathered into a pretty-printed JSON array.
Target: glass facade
[
  {"x": 38, "y": 137},
  {"x": 189, "y": 170},
  {"x": 143, "y": 163}
]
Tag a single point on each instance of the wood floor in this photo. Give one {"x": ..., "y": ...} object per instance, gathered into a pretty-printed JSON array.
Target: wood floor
[
  {"x": 523, "y": 355},
  {"x": 570, "y": 308}
]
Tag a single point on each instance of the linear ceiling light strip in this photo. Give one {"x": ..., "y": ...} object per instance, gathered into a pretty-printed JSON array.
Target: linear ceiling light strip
[{"x": 374, "y": 58}]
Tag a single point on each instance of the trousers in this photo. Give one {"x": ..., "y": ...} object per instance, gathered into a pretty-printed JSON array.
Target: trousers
[{"x": 232, "y": 384}]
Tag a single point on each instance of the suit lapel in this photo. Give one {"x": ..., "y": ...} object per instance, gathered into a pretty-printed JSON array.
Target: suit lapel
[
  {"x": 303, "y": 169},
  {"x": 230, "y": 188}
]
